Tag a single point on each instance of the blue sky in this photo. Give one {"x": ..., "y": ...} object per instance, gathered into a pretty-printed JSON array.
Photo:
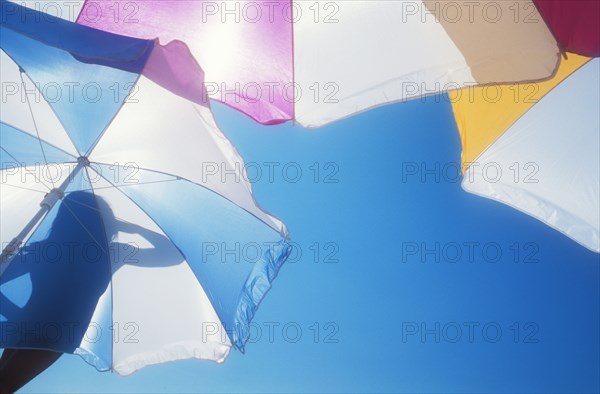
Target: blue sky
[{"x": 376, "y": 297}]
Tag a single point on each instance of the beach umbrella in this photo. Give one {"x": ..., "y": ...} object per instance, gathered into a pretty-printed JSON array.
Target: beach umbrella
[
  {"x": 129, "y": 232},
  {"x": 535, "y": 147},
  {"x": 316, "y": 62},
  {"x": 324, "y": 61},
  {"x": 574, "y": 23}
]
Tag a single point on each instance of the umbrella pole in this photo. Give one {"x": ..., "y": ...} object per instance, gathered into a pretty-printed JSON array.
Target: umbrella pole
[{"x": 50, "y": 199}]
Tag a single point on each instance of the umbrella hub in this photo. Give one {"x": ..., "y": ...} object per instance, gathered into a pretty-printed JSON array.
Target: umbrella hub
[{"x": 83, "y": 161}]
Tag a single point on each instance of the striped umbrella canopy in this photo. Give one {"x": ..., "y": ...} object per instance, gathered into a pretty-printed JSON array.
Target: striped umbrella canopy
[{"x": 121, "y": 202}]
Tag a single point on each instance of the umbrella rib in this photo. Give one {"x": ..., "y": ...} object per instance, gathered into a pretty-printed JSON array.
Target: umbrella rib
[
  {"x": 179, "y": 178},
  {"x": 24, "y": 188},
  {"x": 21, "y": 72},
  {"x": 45, "y": 142},
  {"x": 96, "y": 209},
  {"x": 145, "y": 213},
  {"x": 34, "y": 175},
  {"x": 133, "y": 184}
]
